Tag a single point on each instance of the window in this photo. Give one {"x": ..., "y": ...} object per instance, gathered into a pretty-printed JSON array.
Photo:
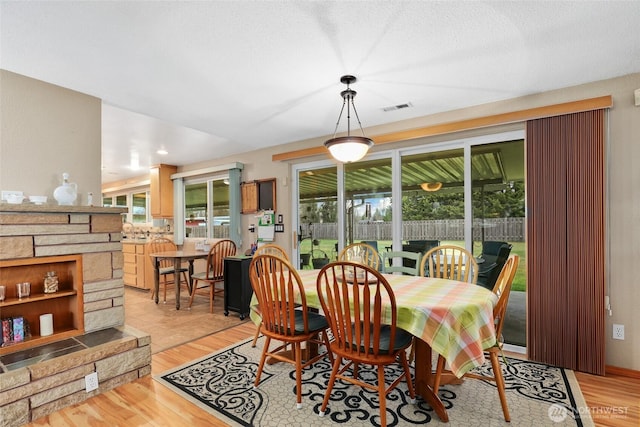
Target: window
[
  {"x": 136, "y": 202},
  {"x": 207, "y": 212}
]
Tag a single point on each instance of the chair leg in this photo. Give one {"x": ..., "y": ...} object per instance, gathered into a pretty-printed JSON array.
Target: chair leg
[
  {"x": 263, "y": 359},
  {"x": 438, "y": 376},
  {"x": 297, "y": 348},
  {"x": 382, "y": 396},
  {"x": 332, "y": 380},
  {"x": 407, "y": 374},
  {"x": 211, "y": 296},
  {"x": 193, "y": 293},
  {"x": 412, "y": 351},
  {"x": 497, "y": 373},
  {"x": 255, "y": 338}
]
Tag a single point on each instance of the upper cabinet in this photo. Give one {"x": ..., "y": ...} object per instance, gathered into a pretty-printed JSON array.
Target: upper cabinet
[
  {"x": 162, "y": 190},
  {"x": 258, "y": 195}
]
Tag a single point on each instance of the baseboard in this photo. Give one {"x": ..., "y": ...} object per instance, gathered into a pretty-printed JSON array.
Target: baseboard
[{"x": 623, "y": 372}]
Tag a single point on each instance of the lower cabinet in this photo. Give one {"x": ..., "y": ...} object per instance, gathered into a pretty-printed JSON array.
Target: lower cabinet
[
  {"x": 138, "y": 271},
  {"x": 237, "y": 287}
]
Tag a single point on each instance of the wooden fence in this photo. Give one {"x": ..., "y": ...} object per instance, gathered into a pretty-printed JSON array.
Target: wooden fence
[{"x": 507, "y": 229}]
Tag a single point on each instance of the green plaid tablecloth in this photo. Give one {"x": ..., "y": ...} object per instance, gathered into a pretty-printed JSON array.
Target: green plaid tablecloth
[{"x": 454, "y": 318}]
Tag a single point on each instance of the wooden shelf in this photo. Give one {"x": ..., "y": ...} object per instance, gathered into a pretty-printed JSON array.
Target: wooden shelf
[
  {"x": 33, "y": 298},
  {"x": 66, "y": 305}
]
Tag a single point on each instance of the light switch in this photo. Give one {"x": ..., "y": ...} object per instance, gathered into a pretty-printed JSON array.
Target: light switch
[{"x": 637, "y": 95}]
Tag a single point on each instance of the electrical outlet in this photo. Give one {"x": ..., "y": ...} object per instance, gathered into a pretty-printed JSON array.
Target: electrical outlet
[
  {"x": 91, "y": 382},
  {"x": 618, "y": 332}
]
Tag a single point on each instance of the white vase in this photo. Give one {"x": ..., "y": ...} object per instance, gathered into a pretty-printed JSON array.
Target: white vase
[{"x": 66, "y": 194}]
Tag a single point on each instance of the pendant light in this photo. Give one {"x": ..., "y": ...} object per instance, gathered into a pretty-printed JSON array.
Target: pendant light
[
  {"x": 347, "y": 149},
  {"x": 431, "y": 186}
]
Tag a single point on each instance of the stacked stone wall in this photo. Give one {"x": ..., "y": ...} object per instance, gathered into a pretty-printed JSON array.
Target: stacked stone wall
[{"x": 29, "y": 231}]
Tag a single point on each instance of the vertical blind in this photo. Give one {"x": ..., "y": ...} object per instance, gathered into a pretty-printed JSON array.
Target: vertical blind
[{"x": 566, "y": 240}]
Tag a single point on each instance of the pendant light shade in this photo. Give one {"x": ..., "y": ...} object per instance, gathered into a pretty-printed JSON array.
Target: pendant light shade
[
  {"x": 347, "y": 149},
  {"x": 431, "y": 186}
]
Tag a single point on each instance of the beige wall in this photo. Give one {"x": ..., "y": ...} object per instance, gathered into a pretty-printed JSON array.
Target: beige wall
[{"x": 46, "y": 130}]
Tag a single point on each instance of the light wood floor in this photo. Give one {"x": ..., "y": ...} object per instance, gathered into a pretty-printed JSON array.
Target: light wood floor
[{"x": 145, "y": 402}]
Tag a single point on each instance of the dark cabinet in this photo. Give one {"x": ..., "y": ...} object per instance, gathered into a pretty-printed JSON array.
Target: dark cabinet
[{"x": 237, "y": 287}]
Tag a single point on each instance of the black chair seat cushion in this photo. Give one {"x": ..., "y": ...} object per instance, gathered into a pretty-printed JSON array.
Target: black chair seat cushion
[
  {"x": 169, "y": 270},
  {"x": 403, "y": 339},
  {"x": 203, "y": 276},
  {"x": 317, "y": 322}
]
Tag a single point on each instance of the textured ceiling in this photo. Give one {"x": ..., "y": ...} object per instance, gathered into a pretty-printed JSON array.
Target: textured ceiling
[{"x": 210, "y": 79}]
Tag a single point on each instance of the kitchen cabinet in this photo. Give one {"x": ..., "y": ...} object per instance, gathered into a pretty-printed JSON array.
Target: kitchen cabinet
[
  {"x": 138, "y": 271},
  {"x": 237, "y": 287},
  {"x": 66, "y": 305},
  {"x": 258, "y": 195},
  {"x": 161, "y": 188}
]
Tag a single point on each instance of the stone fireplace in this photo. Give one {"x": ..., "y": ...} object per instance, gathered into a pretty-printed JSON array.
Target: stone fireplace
[{"x": 38, "y": 379}]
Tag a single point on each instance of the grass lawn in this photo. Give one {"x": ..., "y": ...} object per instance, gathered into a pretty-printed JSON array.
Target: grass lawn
[{"x": 519, "y": 282}]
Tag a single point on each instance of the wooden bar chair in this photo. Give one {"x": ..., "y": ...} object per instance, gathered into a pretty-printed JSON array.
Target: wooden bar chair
[
  {"x": 360, "y": 335},
  {"x": 215, "y": 270},
  {"x": 285, "y": 315},
  {"x": 502, "y": 289},
  {"x": 410, "y": 262},
  {"x": 162, "y": 244},
  {"x": 268, "y": 249},
  {"x": 450, "y": 262},
  {"x": 362, "y": 253}
]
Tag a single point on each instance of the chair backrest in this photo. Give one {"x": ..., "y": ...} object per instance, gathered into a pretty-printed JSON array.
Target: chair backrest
[
  {"x": 421, "y": 246},
  {"x": 215, "y": 260},
  {"x": 450, "y": 262},
  {"x": 362, "y": 253},
  {"x": 493, "y": 251},
  {"x": 493, "y": 262},
  {"x": 351, "y": 295},
  {"x": 372, "y": 243},
  {"x": 279, "y": 291},
  {"x": 161, "y": 244},
  {"x": 271, "y": 249},
  {"x": 502, "y": 289},
  {"x": 410, "y": 262}
]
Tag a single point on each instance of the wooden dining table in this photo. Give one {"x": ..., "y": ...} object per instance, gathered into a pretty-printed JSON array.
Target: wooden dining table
[
  {"x": 178, "y": 257},
  {"x": 452, "y": 318}
]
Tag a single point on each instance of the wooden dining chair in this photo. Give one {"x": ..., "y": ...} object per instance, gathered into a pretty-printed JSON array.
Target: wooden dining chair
[
  {"x": 270, "y": 249},
  {"x": 450, "y": 262},
  {"x": 362, "y": 253},
  {"x": 362, "y": 336},
  {"x": 214, "y": 272},
  {"x": 410, "y": 262},
  {"x": 502, "y": 289},
  {"x": 285, "y": 315},
  {"x": 162, "y": 244}
]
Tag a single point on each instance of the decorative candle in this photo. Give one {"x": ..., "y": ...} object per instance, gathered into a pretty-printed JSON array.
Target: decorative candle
[{"x": 46, "y": 324}]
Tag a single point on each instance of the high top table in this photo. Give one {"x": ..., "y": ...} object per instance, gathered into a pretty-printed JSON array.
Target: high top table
[{"x": 178, "y": 257}]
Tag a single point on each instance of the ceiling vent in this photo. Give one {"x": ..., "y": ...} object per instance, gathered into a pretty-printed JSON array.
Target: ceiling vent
[{"x": 397, "y": 107}]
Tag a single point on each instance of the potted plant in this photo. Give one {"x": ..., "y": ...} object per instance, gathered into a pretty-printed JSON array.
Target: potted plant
[{"x": 319, "y": 262}]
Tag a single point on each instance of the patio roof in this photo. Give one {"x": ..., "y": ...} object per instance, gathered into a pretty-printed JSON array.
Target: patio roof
[{"x": 492, "y": 167}]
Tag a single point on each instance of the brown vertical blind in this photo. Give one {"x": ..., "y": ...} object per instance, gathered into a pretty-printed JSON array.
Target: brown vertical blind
[{"x": 565, "y": 240}]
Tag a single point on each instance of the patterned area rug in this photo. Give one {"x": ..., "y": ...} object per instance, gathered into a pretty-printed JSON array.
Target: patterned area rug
[{"x": 222, "y": 384}]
